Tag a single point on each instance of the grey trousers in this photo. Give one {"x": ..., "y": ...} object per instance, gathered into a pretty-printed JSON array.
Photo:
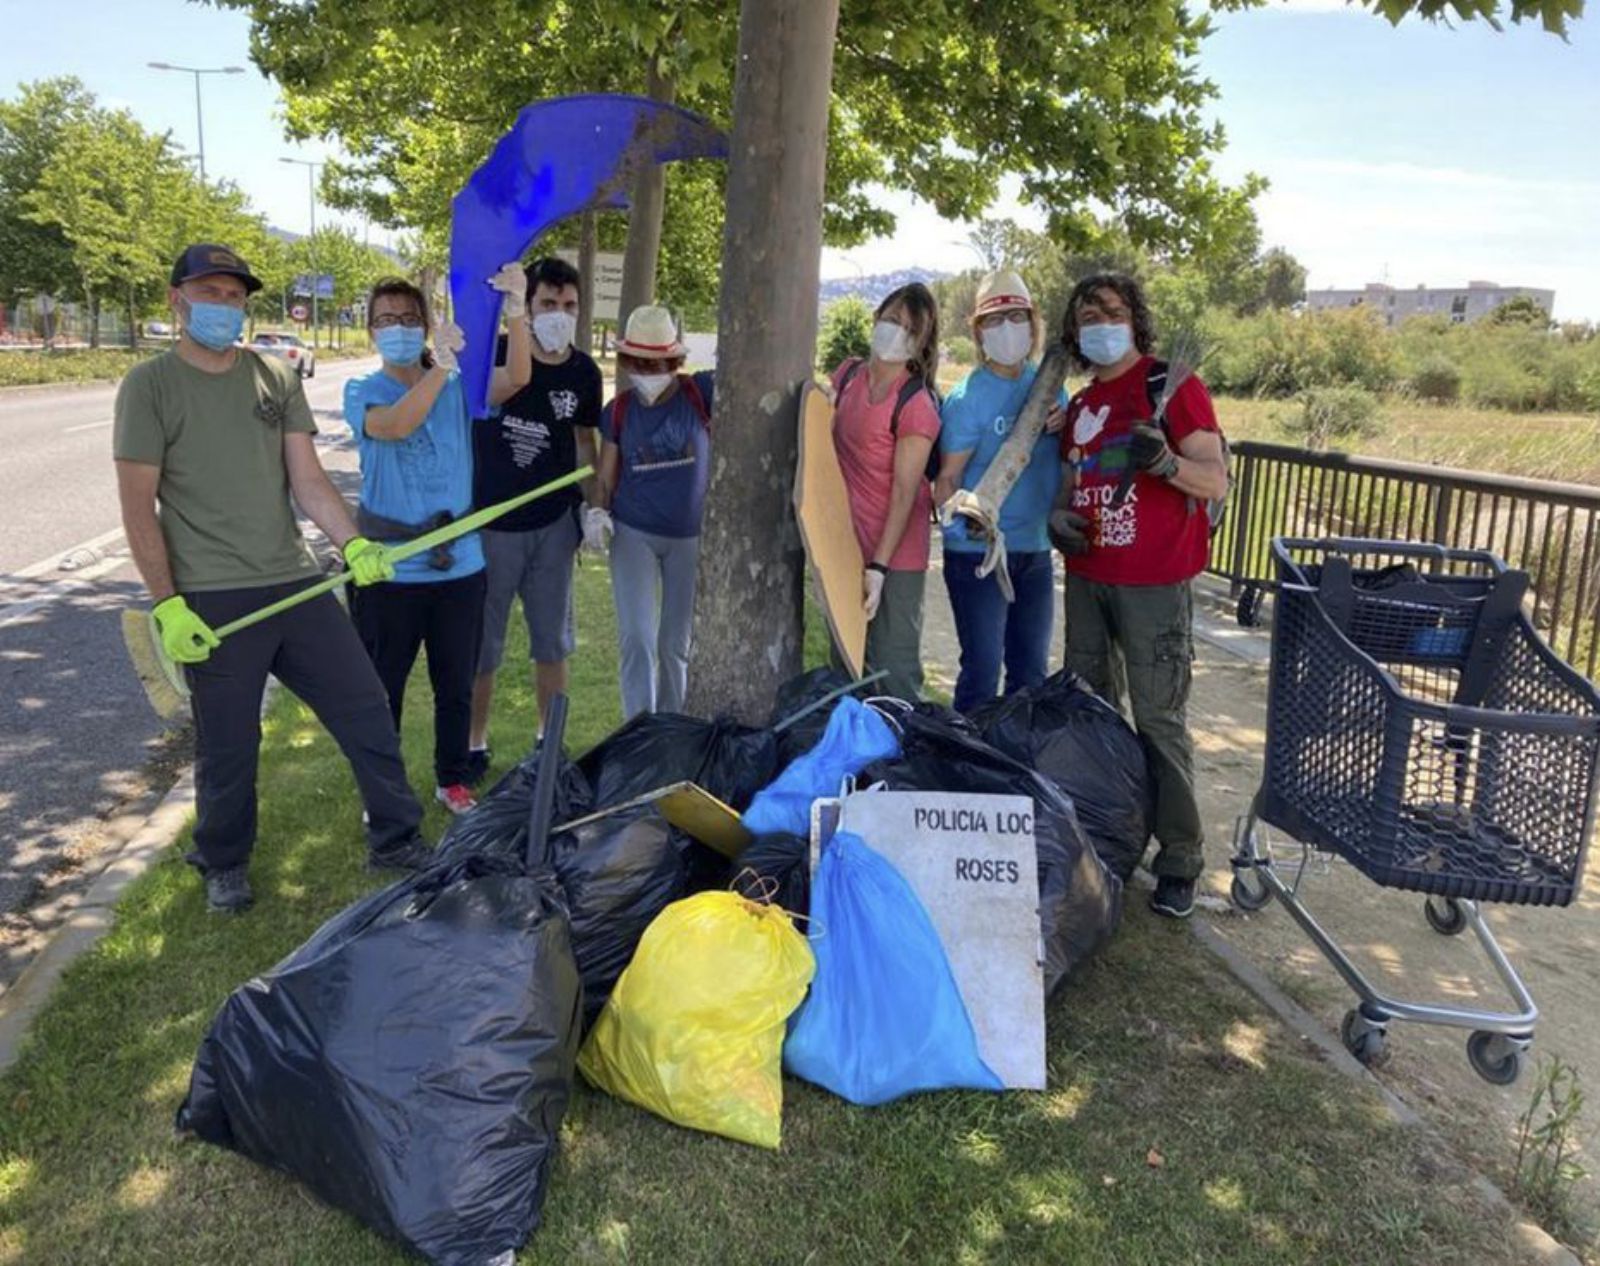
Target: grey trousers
[
  {"x": 652, "y": 584},
  {"x": 894, "y": 638}
]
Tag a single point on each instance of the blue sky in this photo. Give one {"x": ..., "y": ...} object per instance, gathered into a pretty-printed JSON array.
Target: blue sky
[{"x": 1423, "y": 154}]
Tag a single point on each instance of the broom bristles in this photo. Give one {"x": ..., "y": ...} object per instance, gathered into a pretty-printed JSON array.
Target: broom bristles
[{"x": 162, "y": 680}]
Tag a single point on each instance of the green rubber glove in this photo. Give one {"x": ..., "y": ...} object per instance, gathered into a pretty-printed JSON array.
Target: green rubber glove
[
  {"x": 186, "y": 638},
  {"x": 368, "y": 561}
]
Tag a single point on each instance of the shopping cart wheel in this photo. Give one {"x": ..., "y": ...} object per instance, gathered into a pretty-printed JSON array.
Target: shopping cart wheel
[
  {"x": 1444, "y": 915},
  {"x": 1248, "y": 612},
  {"x": 1496, "y": 1058},
  {"x": 1249, "y": 895},
  {"x": 1367, "y": 1041}
]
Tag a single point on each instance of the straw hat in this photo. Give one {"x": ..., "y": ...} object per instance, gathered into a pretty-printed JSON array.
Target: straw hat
[
  {"x": 651, "y": 334},
  {"x": 1000, "y": 291}
]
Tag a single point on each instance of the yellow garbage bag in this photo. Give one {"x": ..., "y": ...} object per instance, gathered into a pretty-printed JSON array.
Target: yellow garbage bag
[{"x": 694, "y": 1029}]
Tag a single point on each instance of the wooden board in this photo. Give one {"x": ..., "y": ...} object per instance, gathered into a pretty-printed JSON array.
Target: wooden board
[
  {"x": 690, "y": 808},
  {"x": 822, "y": 506}
]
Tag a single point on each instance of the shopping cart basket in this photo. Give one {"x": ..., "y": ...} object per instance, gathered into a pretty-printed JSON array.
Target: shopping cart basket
[{"x": 1419, "y": 728}]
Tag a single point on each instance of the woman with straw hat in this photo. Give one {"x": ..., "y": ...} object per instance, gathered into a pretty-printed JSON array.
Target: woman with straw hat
[
  {"x": 975, "y": 420},
  {"x": 655, "y": 465}
]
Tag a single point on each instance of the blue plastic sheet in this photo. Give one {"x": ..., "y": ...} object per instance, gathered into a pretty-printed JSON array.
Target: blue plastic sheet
[
  {"x": 856, "y": 736},
  {"x": 562, "y": 157},
  {"x": 884, "y": 1017}
]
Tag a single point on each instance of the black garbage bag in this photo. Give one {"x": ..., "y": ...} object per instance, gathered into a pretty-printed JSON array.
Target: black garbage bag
[
  {"x": 615, "y": 873},
  {"x": 618, "y": 874},
  {"x": 498, "y": 825},
  {"x": 1081, "y": 743},
  {"x": 780, "y": 871},
  {"x": 411, "y": 1062},
  {"x": 653, "y": 750},
  {"x": 1080, "y": 900},
  {"x": 796, "y": 694}
]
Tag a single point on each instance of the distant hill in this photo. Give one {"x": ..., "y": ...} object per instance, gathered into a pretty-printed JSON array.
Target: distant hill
[
  {"x": 288, "y": 235},
  {"x": 875, "y": 287}
]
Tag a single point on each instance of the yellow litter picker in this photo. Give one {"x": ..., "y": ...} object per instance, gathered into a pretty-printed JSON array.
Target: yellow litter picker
[{"x": 163, "y": 679}]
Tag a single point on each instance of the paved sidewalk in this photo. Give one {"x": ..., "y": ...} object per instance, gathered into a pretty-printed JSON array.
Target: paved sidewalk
[{"x": 1383, "y": 930}]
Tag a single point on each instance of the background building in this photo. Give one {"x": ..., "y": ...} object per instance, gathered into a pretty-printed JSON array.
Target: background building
[{"x": 1476, "y": 299}]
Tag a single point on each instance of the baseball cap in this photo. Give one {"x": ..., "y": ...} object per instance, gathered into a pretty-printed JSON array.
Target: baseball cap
[{"x": 206, "y": 258}]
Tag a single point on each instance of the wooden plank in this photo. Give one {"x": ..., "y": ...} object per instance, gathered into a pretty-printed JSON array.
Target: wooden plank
[
  {"x": 822, "y": 507},
  {"x": 690, "y": 808}
]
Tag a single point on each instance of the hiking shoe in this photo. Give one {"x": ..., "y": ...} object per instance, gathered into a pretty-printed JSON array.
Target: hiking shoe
[
  {"x": 1173, "y": 897},
  {"x": 228, "y": 891},
  {"x": 477, "y": 766},
  {"x": 412, "y": 855},
  {"x": 456, "y": 798}
]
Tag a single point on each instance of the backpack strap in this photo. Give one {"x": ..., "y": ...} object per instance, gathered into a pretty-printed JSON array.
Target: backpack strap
[
  {"x": 852, "y": 367},
  {"x": 692, "y": 392},
  {"x": 908, "y": 392},
  {"x": 616, "y": 414}
]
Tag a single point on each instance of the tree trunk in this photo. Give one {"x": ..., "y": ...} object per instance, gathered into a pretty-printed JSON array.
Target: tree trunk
[
  {"x": 587, "y": 239},
  {"x": 94, "y": 321},
  {"x": 133, "y": 322},
  {"x": 647, "y": 202},
  {"x": 748, "y": 604}
]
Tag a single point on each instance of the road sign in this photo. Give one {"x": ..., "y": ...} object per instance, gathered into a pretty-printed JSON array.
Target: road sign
[
  {"x": 300, "y": 312},
  {"x": 606, "y": 283},
  {"x": 302, "y": 286}
]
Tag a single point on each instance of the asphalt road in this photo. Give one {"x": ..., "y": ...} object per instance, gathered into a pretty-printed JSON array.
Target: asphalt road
[{"x": 77, "y": 739}]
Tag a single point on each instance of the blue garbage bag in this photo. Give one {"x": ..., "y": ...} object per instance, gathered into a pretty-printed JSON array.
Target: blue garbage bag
[
  {"x": 856, "y": 736},
  {"x": 561, "y": 157},
  {"x": 884, "y": 1017}
]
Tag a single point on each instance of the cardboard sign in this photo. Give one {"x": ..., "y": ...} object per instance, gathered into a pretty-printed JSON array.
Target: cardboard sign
[
  {"x": 972, "y": 862},
  {"x": 822, "y": 506}
]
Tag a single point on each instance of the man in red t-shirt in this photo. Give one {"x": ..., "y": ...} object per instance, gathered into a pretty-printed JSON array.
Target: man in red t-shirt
[{"x": 1131, "y": 521}]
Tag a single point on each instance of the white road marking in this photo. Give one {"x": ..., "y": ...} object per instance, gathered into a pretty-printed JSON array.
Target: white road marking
[{"x": 85, "y": 426}]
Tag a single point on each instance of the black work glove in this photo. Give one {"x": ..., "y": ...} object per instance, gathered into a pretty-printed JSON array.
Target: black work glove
[
  {"x": 1150, "y": 452},
  {"x": 1067, "y": 531}
]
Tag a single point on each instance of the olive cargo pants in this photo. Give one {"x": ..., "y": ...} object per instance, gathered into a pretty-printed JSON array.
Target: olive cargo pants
[{"x": 1140, "y": 638}]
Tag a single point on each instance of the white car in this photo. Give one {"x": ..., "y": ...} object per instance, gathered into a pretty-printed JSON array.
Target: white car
[{"x": 287, "y": 346}]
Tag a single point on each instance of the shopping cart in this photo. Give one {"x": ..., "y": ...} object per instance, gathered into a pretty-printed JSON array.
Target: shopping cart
[{"x": 1419, "y": 728}]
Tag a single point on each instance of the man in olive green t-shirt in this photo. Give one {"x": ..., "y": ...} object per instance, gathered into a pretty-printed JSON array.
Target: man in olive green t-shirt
[{"x": 211, "y": 440}]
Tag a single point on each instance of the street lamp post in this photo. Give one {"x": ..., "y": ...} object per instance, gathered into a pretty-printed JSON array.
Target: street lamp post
[
  {"x": 311, "y": 242},
  {"x": 199, "y": 118}
]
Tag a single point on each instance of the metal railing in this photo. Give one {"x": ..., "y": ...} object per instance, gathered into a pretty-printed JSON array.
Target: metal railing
[{"x": 1550, "y": 530}]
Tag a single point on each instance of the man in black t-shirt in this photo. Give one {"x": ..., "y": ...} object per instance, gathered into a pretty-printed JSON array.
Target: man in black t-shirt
[{"x": 542, "y": 427}]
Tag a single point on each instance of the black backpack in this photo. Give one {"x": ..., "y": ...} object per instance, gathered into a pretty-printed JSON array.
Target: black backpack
[{"x": 914, "y": 384}]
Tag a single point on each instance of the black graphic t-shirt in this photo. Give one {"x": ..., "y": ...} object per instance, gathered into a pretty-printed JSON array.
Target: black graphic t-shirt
[{"x": 531, "y": 440}]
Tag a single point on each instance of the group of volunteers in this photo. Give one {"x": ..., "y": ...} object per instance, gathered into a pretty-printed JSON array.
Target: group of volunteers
[{"x": 212, "y": 441}]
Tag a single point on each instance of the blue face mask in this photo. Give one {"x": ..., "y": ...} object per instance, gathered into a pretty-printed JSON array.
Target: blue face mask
[
  {"x": 214, "y": 325},
  {"x": 399, "y": 345},
  {"x": 1105, "y": 344}
]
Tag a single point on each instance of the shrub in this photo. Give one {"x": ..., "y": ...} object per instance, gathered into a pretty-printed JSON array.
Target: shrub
[
  {"x": 1437, "y": 379},
  {"x": 961, "y": 350},
  {"x": 1328, "y": 413},
  {"x": 846, "y": 331},
  {"x": 24, "y": 368}
]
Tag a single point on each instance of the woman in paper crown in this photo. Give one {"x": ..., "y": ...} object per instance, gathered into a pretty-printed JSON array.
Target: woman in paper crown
[{"x": 655, "y": 465}]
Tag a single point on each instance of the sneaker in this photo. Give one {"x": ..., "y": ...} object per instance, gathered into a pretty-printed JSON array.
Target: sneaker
[
  {"x": 478, "y": 760},
  {"x": 412, "y": 855},
  {"x": 228, "y": 891},
  {"x": 1173, "y": 897},
  {"x": 456, "y": 798}
]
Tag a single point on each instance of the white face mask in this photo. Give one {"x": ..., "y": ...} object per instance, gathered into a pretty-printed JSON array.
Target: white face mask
[
  {"x": 554, "y": 330},
  {"x": 890, "y": 343},
  {"x": 1009, "y": 342},
  {"x": 650, "y": 386}
]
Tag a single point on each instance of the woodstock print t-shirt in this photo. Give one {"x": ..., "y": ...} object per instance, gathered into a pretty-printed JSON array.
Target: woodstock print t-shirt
[{"x": 1153, "y": 534}]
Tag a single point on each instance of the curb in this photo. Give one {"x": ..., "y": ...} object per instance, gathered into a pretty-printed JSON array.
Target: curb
[
  {"x": 93, "y": 917},
  {"x": 41, "y": 388}
]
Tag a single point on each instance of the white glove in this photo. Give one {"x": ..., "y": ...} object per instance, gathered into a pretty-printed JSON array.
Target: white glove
[
  {"x": 597, "y": 529},
  {"x": 512, "y": 282},
  {"x": 871, "y": 591},
  {"x": 448, "y": 339}
]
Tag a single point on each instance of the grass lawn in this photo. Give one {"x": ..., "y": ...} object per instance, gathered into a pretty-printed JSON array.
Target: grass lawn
[
  {"x": 31, "y": 368},
  {"x": 1182, "y": 1124}
]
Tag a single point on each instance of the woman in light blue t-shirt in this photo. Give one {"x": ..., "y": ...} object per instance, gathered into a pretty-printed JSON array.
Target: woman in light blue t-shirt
[{"x": 975, "y": 421}]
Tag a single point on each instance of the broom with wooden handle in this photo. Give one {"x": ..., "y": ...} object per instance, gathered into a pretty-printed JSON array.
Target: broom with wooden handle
[{"x": 163, "y": 678}]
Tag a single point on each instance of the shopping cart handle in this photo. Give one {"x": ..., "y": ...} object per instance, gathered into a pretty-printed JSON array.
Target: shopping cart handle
[{"x": 1361, "y": 545}]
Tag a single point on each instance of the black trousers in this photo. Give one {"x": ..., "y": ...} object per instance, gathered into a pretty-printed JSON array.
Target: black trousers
[
  {"x": 446, "y": 616},
  {"x": 314, "y": 651}
]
